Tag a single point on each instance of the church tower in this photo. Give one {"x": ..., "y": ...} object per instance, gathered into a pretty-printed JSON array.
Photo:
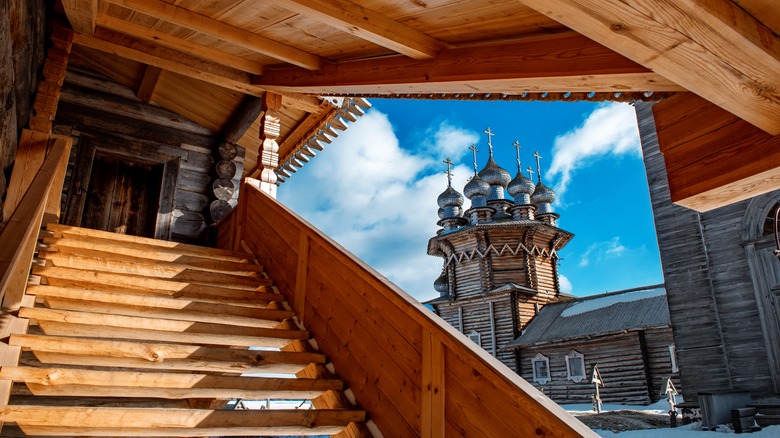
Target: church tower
[{"x": 500, "y": 255}]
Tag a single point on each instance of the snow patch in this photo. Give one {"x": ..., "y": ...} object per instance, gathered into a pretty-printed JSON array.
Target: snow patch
[{"x": 600, "y": 303}]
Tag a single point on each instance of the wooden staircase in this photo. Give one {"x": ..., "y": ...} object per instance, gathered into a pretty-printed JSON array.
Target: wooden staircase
[{"x": 131, "y": 336}]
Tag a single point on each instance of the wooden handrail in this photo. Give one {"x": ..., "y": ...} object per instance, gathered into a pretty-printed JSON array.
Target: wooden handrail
[{"x": 411, "y": 371}]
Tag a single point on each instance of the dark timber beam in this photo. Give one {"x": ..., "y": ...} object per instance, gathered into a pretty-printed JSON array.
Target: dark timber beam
[
  {"x": 242, "y": 118},
  {"x": 564, "y": 62},
  {"x": 713, "y": 158}
]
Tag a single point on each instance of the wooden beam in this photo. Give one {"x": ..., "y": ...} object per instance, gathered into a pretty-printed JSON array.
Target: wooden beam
[
  {"x": 712, "y": 48},
  {"x": 367, "y": 24},
  {"x": 242, "y": 118},
  {"x": 45, "y": 420},
  {"x": 433, "y": 369},
  {"x": 563, "y": 62},
  {"x": 226, "y": 32},
  {"x": 713, "y": 158},
  {"x": 303, "y": 131},
  {"x": 180, "y": 44},
  {"x": 149, "y": 83},
  {"x": 29, "y": 157},
  {"x": 82, "y": 15},
  {"x": 79, "y": 382}
]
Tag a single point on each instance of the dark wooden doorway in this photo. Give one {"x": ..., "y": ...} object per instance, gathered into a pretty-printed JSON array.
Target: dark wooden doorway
[
  {"x": 122, "y": 186},
  {"x": 123, "y": 196}
]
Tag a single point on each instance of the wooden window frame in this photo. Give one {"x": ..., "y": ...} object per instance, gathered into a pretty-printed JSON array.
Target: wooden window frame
[
  {"x": 575, "y": 355},
  {"x": 472, "y": 334},
  {"x": 540, "y": 379}
]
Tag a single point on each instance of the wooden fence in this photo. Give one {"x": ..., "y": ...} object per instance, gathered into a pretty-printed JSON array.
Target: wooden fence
[{"x": 413, "y": 373}]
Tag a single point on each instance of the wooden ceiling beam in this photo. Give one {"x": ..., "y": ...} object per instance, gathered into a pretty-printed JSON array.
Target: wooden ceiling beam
[
  {"x": 149, "y": 83},
  {"x": 713, "y": 158},
  {"x": 564, "y": 62},
  {"x": 226, "y": 32},
  {"x": 711, "y": 47},
  {"x": 82, "y": 15},
  {"x": 173, "y": 42},
  {"x": 122, "y": 45},
  {"x": 242, "y": 118},
  {"x": 368, "y": 25}
]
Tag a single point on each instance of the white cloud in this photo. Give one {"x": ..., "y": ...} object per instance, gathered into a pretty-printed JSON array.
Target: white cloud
[
  {"x": 380, "y": 201},
  {"x": 564, "y": 284},
  {"x": 447, "y": 140},
  {"x": 610, "y": 129},
  {"x": 600, "y": 251}
]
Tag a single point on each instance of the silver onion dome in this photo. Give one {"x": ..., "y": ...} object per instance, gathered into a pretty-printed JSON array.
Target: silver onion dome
[
  {"x": 494, "y": 174},
  {"x": 476, "y": 187},
  {"x": 521, "y": 188},
  {"x": 450, "y": 203},
  {"x": 441, "y": 285},
  {"x": 543, "y": 196}
]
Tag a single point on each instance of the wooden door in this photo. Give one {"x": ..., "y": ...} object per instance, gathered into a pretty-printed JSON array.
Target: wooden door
[{"x": 123, "y": 196}]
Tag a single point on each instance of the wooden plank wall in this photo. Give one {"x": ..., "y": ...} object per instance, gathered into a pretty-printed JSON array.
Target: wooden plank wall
[
  {"x": 620, "y": 362},
  {"x": 709, "y": 290},
  {"x": 21, "y": 57},
  {"x": 411, "y": 371},
  {"x": 99, "y": 108}
]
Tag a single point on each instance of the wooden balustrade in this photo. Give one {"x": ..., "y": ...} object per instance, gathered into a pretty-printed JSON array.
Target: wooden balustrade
[{"x": 412, "y": 372}]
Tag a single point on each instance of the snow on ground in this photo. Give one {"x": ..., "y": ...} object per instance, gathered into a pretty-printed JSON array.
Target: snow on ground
[{"x": 600, "y": 303}]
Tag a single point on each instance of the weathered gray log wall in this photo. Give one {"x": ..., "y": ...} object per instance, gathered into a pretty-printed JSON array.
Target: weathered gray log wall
[
  {"x": 622, "y": 362},
  {"x": 21, "y": 56},
  {"x": 712, "y": 303},
  {"x": 98, "y": 108}
]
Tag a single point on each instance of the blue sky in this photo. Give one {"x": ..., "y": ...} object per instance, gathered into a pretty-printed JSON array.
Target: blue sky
[{"x": 374, "y": 188}]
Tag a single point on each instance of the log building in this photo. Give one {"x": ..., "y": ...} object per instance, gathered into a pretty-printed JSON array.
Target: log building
[{"x": 122, "y": 334}]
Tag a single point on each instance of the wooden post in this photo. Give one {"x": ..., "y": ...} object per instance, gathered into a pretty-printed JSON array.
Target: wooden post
[
  {"x": 432, "y": 412},
  {"x": 595, "y": 379},
  {"x": 269, "y": 131},
  {"x": 48, "y": 96}
]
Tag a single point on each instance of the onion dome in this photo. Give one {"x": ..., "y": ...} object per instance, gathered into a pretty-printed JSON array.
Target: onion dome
[
  {"x": 441, "y": 285},
  {"x": 497, "y": 177},
  {"x": 477, "y": 190},
  {"x": 521, "y": 188},
  {"x": 543, "y": 196},
  {"x": 450, "y": 203}
]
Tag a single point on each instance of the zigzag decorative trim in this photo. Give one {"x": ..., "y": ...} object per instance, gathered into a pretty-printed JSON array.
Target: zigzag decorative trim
[{"x": 535, "y": 251}]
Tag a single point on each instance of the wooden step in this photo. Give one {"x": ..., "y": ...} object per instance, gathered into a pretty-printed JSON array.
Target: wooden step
[
  {"x": 87, "y": 233},
  {"x": 92, "y": 383},
  {"x": 109, "y": 281},
  {"x": 225, "y": 306},
  {"x": 50, "y": 421},
  {"x": 161, "y": 356},
  {"x": 138, "y": 250},
  {"x": 154, "y": 270},
  {"x": 97, "y": 325}
]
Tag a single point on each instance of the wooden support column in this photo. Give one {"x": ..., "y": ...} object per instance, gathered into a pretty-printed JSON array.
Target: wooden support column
[
  {"x": 432, "y": 412},
  {"x": 149, "y": 83},
  {"x": 48, "y": 96},
  {"x": 269, "y": 152}
]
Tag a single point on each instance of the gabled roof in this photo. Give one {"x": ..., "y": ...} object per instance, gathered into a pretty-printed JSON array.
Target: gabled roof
[{"x": 631, "y": 309}]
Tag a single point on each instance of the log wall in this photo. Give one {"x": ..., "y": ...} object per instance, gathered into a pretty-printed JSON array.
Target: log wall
[
  {"x": 21, "y": 56},
  {"x": 412, "y": 372},
  {"x": 625, "y": 364},
  {"x": 712, "y": 303},
  {"x": 108, "y": 115}
]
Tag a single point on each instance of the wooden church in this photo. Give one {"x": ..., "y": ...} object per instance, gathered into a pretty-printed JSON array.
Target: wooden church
[{"x": 175, "y": 121}]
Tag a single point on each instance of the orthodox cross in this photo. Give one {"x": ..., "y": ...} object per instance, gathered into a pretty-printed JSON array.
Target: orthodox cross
[
  {"x": 530, "y": 173},
  {"x": 473, "y": 149},
  {"x": 490, "y": 140},
  {"x": 517, "y": 146},
  {"x": 449, "y": 171},
  {"x": 538, "y": 170}
]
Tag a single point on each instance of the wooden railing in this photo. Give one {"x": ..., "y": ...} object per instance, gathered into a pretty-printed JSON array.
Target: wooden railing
[
  {"x": 412, "y": 372},
  {"x": 19, "y": 236}
]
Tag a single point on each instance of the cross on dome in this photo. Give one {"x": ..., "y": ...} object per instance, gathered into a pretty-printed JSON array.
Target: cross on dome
[
  {"x": 517, "y": 146},
  {"x": 490, "y": 140},
  {"x": 474, "y": 150},
  {"x": 538, "y": 169},
  {"x": 449, "y": 171},
  {"x": 530, "y": 172}
]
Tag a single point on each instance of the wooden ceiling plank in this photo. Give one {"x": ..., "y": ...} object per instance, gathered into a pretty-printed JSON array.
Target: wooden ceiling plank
[
  {"x": 149, "y": 83},
  {"x": 226, "y": 32},
  {"x": 698, "y": 44},
  {"x": 181, "y": 419},
  {"x": 368, "y": 25},
  {"x": 82, "y": 15},
  {"x": 564, "y": 62},
  {"x": 180, "y": 44}
]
